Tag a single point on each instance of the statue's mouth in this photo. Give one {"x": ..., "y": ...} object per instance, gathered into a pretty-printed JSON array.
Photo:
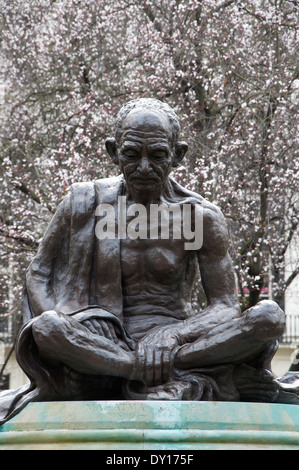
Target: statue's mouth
[{"x": 148, "y": 181}]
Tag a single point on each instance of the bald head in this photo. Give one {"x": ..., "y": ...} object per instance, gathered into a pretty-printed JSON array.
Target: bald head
[{"x": 148, "y": 106}]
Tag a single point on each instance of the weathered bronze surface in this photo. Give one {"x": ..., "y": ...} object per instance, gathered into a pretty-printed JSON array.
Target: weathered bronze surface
[{"x": 111, "y": 318}]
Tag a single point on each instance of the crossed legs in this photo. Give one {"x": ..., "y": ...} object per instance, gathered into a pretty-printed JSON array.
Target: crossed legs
[
  {"x": 62, "y": 339},
  {"x": 236, "y": 341}
]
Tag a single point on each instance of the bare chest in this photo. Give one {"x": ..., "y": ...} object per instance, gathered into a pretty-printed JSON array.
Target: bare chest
[{"x": 155, "y": 261}]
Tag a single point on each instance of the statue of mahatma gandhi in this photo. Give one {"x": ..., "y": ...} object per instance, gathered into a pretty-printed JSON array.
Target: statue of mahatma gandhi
[{"x": 110, "y": 317}]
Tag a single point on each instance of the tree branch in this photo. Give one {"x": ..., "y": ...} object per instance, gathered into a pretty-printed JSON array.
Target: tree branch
[
  {"x": 224, "y": 5},
  {"x": 291, "y": 277},
  {"x": 20, "y": 239},
  {"x": 24, "y": 189}
]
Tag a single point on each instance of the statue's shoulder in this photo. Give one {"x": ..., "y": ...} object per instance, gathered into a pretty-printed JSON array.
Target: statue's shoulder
[
  {"x": 83, "y": 195},
  {"x": 84, "y": 187},
  {"x": 215, "y": 235},
  {"x": 113, "y": 182},
  {"x": 81, "y": 198},
  {"x": 209, "y": 208},
  {"x": 184, "y": 194},
  {"x": 212, "y": 212}
]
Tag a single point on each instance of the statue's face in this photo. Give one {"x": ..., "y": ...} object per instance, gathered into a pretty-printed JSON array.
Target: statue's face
[{"x": 145, "y": 152}]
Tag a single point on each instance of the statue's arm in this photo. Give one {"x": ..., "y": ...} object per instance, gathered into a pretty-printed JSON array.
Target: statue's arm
[
  {"x": 39, "y": 274},
  {"x": 215, "y": 264},
  {"x": 217, "y": 277}
]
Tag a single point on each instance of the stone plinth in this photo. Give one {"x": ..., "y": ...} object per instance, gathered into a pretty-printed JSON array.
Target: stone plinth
[{"x": 152, "y": 425}]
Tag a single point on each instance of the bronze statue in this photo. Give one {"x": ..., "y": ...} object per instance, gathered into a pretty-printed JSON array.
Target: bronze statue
[{"x": 110, "y": 317}]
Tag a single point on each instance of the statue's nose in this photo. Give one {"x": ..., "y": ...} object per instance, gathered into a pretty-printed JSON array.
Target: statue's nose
[{"x": 144, "y": 165}]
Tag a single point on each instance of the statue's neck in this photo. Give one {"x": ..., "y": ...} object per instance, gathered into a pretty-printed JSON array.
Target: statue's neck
[{"x": 148, "y": 196}]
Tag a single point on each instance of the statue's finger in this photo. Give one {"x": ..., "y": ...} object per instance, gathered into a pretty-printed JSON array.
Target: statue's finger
[
  {"x": 106, "y": 330},
  {"x": 97, "y": 327},
  {"x": 140, "y": 363},
  {"x": 149, "y": 365},
  {"x": 90, "y": 326},
  {"x": 166, "y": 365},
  {"x": 159, "y": 366},
  {"x": 113, "y": 333}
]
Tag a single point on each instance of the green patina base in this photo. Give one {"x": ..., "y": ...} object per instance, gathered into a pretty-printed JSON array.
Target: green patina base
[{"x": 152, "y": 425}]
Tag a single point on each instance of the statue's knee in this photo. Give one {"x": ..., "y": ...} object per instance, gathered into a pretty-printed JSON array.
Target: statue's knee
[
  {"x": 273, "y": 315},
  {"x": 46, "y": 327},
  {"x": 266, "y": 319}
]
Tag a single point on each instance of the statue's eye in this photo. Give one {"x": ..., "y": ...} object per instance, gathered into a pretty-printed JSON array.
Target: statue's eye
[
  {"x": 130, "y": 154},
  {"x": 159, "y": 155}
]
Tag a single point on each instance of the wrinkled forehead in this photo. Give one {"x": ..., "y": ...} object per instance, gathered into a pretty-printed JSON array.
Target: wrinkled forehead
[{"x": 146, "y": 124}]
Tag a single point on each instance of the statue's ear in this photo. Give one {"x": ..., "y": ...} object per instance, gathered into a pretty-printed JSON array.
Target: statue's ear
[
  {"x": 111, "y": 148},
  {"x": 179, "y": 153}
]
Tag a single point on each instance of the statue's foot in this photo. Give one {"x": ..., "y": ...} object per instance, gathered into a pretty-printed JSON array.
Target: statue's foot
[
  {"x": 257, "y": 385},
  {"x": 288, "y": 388},
  {"x": 173, "y": 390}
]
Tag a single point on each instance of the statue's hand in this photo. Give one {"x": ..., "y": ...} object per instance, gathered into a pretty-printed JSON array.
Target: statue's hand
[
  {"x": 155, "y": 355},
  {"x": 107, "y": 329},
  {"x": 102, "y": 328}
]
